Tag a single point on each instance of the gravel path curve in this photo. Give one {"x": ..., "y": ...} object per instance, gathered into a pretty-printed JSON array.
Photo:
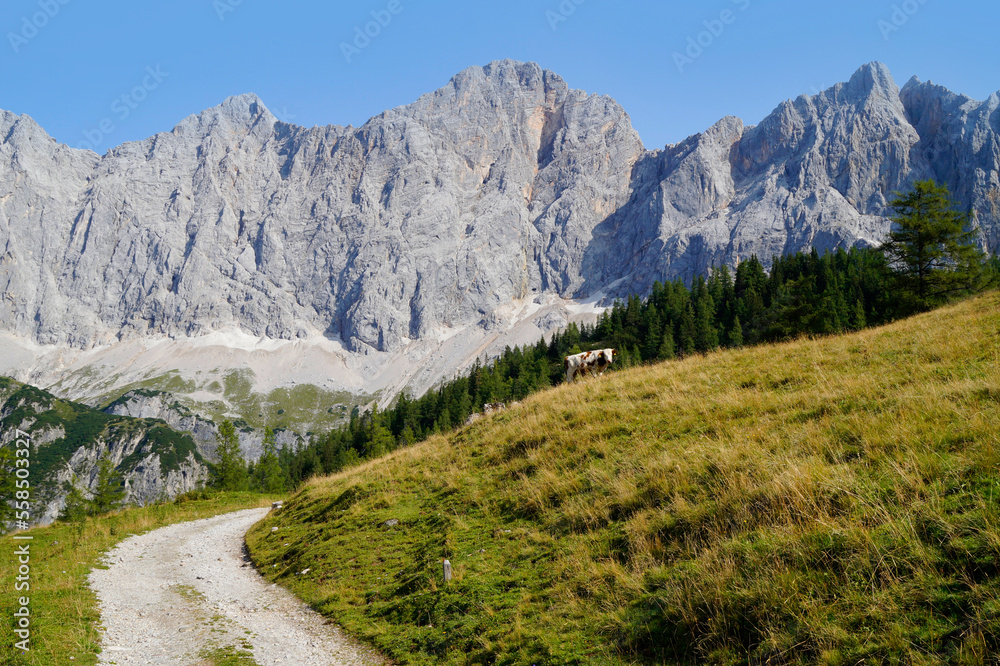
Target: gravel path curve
[{"x": 186, "y": 594}]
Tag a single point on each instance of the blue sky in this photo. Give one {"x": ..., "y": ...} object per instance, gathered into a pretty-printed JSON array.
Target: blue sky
[{"x": 102, "y": 73}]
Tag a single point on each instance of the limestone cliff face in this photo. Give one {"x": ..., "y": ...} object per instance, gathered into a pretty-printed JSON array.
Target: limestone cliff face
[
  {"x": 960, "y": 144},
  {"x": 503, "y": 185},
  {"x": 818, "y": 172},
  {"x": 68, "y": 441},
  {"x": 433, "y": 214}
]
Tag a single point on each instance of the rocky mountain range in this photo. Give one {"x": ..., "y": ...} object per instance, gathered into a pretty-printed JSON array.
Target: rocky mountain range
[{"x": 495, "y": 209}]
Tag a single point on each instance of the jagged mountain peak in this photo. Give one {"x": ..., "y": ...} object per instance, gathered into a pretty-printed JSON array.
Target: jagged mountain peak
[
  {"x": 238, "y": 111},
  {"x": 247, "y": 107},
  {"x": 871, "y": 86},
  {"x": 929, "y": 105},
  {"x": 31, "y": 153},
  {"x": 727, "y": 128},
  {"x": 21, "y": 128},
  {"x": 916, "y": 85},
  {"x": 509, "y": 84},
  {"x": 873, "y": 77},
  {"x": 456, "y": 218},
  {"x": 508, "y": 73}
]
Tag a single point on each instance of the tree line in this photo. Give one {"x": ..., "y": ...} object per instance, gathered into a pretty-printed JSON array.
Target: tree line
[
  {"x": 929, "y": 257},
  {"x": 803, "y": 294}
]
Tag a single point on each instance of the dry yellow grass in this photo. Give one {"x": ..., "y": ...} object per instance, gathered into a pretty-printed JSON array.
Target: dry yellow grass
[{"x": 822, "y": 501}]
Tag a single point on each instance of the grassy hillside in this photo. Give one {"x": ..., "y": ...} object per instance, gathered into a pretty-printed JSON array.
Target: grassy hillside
[
  {"x": 831, "y": 501},
  {"x": 64, "y": 613}
]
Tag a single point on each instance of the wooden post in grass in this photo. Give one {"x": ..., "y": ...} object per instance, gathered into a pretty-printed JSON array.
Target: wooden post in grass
[{"x": 447, "y": 571}]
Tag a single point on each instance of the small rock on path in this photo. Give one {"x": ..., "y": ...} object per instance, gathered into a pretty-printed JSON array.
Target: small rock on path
[{"x": 181, "y": 593}]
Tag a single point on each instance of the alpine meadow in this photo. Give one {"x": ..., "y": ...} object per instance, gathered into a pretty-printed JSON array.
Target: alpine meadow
[
  {"x": 499, "y": 334},
  {"x": 829, "y": 501}
]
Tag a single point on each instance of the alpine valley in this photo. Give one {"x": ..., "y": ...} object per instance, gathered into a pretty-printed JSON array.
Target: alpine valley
[{"x": 243, "y": 267}]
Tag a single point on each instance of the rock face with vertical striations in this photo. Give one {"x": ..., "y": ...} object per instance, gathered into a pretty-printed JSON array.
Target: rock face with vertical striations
[
  {"x": 504, "y": 187},
  {"x": 818, "y": 172},
  {"x": 433, "y": 214}
]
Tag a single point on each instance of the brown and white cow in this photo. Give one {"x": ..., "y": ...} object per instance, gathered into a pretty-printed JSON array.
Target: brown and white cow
[{"x": 593, "y": 361}]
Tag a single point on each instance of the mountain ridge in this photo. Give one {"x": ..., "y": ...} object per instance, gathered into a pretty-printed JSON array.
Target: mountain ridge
[{"x": 482, "y": 214}]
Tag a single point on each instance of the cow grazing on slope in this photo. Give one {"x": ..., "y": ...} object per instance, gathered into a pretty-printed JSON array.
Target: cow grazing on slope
[{"x": 592, "y": 361}]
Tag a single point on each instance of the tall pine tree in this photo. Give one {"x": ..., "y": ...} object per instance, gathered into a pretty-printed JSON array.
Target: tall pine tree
[
  {"x": 109, "y": 490},
  {"x": 270, "y": 476},
  {"x": 932, "y": 247},
  {"x": 231, "y": 470}
]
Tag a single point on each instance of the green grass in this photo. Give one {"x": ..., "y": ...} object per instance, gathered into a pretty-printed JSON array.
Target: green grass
[
  {"x": 228, "y": 656},
  {"x": 830, "y": 501},
  {"x": 217, "y": 651},
  {"x": 64, "y": 613}
]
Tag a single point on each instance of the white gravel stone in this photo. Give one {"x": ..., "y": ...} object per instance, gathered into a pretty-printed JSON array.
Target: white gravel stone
[{"x": 207, "y": 602}]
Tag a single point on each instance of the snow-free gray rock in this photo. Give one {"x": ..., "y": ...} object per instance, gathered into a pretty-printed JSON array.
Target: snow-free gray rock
[{"x": 503, "y": 185}]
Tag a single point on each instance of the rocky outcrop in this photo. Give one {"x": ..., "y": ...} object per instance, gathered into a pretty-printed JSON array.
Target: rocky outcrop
[
  {"x": 148, "y": 404},
  {"x": 503, "y": 186},
  {"x": 68, "y": 440},
  {"x": 960, "y": 142}
]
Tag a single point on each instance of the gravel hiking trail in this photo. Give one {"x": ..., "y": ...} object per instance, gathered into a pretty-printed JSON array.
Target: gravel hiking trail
[{"x": 187, "y": 594}]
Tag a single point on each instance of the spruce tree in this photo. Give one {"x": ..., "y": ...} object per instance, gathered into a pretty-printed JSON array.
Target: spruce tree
[
  {"x": 858, "y": 319},
  {"x": 687, "y": 331},
  {"x": 667, "y": 350},
  {"x": 109, "y": 490},
  {"x": 76, "y": 506},
  {"x": 991, "y": 274},
  {"x": 653, "y": 328},
  {"x": 707, "y": 333},
  {"x": 736, "y": 334},
  {"x": 347, "y": 458},
  {"x": 381, "y": 441},
  {"x": 231, "y": 470},
  {"x": 706, "y": 336},
  {"x": 311, "y": 464},
  {"x": 270, "y": 476},
  {"x": 931, "y": 248}
]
